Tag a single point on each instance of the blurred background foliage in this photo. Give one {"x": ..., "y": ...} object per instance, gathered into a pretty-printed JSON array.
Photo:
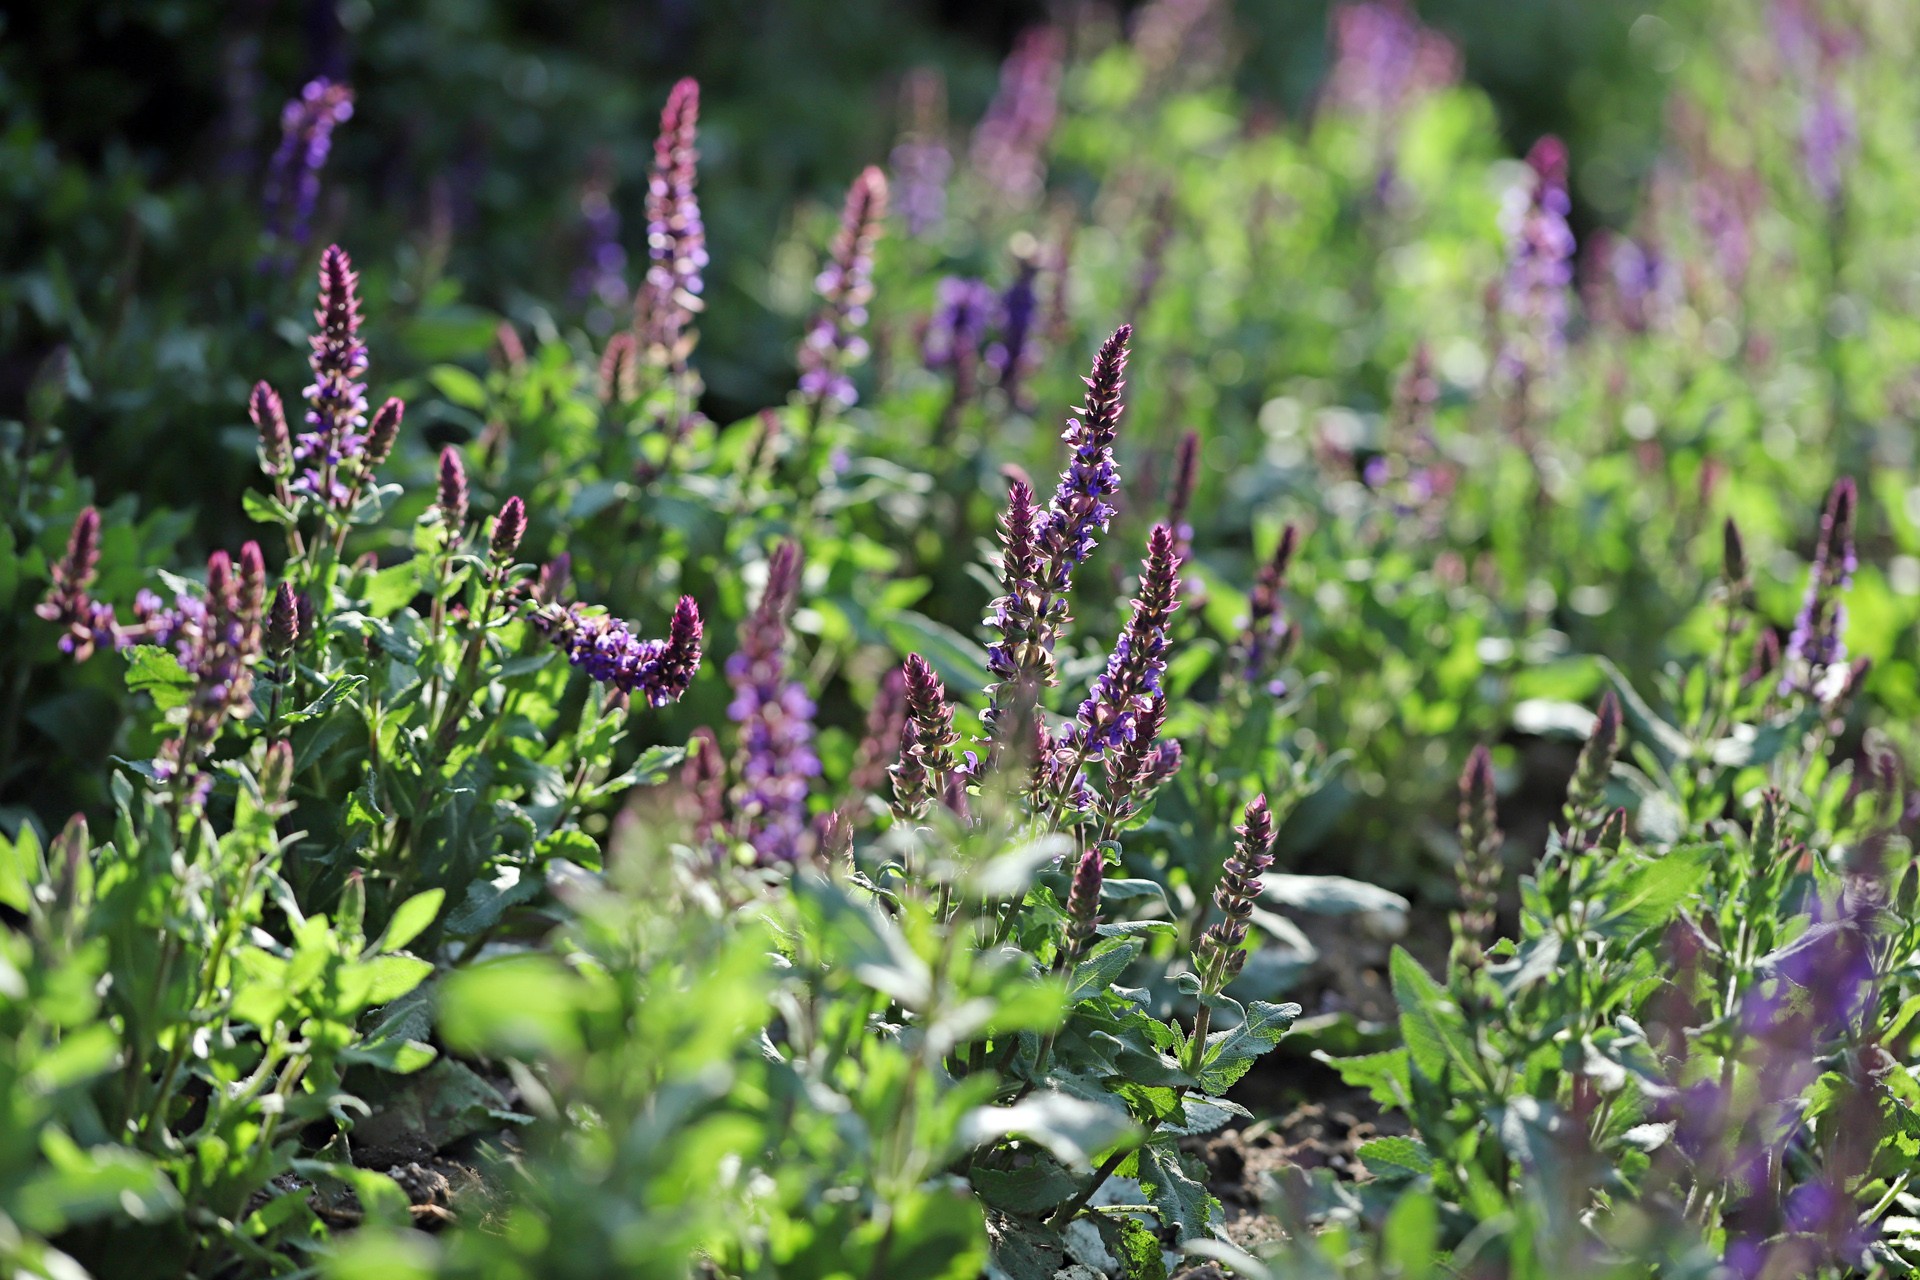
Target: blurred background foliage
[{"x": 130, "y": 128}]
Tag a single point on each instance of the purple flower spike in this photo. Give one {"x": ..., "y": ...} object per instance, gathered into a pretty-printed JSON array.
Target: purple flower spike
[
  {"x": 676, "y": 236},
  {"x": 331, "y": 446},
  {"x": 1268, "y": 632},
  {"x": 1009, "y": 144},
  {"x": 1080, "y": 512},
  {"x": 1828, "y": 138},
  {"x": 1110, "y": 716},
  {"x": 1815, "y": 661},
  {"x": 1083, "y": 899},
  {"x": 508, "y": 528},
  {"x": 283, "y": 623},
  {"x": 270, "y": 418},
  {"x": 1012, "y": 357},
  {"x": 926, "y": 756},
  {"x": 385, "y": 431},
  {"x": 834, "y": 344},
  {"x": 775, "y": 758},
  {"x": 1534, "y": 292},
  {"x": 89, "y": 624},
  {"x": 452, "y": 498},
  {"x": 306, "y": 137},
  {"x": 1021, "y": 666},
  {"x": 657, "y": 671},
  {"x": 1220, "y": 956},
  {"x": 958, "y": 327}
]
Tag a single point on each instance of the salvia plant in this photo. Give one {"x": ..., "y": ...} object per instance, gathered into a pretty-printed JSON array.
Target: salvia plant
[{"x": 1251, "y": 706}]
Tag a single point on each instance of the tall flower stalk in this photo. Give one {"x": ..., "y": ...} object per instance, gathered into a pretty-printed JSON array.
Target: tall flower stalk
[
  {"x": 835, "y": 342},
  {"x": 671, "y": 295},
  {"x": 1815, "y": 660},
  {"x": 1536, "y": 290},
  {"x": 775, "y": 763}
]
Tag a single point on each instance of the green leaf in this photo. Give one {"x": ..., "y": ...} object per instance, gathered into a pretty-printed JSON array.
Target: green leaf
[
  {"x": 19, "y": 869},
  {"x": 264, "y": 508},
  {"x": 1383, "y": 1075},
  {"x": 1070, "y": 1129},
  {"x": 158, "y": 674},
  {"x": 389, "y": 589},
  {"x": 959, "y": 661},
  {"x": 1330, "y": 895},
  {"x": 1102, "y": 968},
  {"x": 1183, "y": 1201},
  {"x": 1656, "y": 890},
  {"x": 1139, "y": 1251},
  {"x": 1396, "y": 1157},
  {"x": 1230, "y": 1053},
  {"x": 1431, "y": 1024},
  {"x": 410, "y": 920}
]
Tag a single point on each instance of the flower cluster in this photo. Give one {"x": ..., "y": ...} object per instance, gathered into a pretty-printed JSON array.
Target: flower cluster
[
  {"x": 307, "y": 123},
  {"x": 775, "y": 761},
  {"x": 656, "y": 671},
  {"x": 676, "y": 236},
  {"x": 834, "y": 344},
  {"x": 214, "y": 636},
  {"x": 1009, "y": 144},
  {"x": 1534, "y": 291},
  {"x": 1815, "y": 661}
]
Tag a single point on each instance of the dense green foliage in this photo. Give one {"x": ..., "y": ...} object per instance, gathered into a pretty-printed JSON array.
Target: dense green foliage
[{"x": 939, "y": 894}]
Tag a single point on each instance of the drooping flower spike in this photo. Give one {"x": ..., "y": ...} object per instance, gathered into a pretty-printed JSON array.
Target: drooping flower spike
[{"x": 655, "y": 671}]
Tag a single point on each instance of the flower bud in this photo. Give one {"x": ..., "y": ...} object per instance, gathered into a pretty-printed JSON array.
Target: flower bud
[
  {"x": 452, "y": 499},
  {"x": 508, "y": 528},
  {"x": 276, "y": 774},
  {"x": 283, "y": 624},
  {"x": 270, "y": 418},
  {"x": 384, "y": 431}
]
